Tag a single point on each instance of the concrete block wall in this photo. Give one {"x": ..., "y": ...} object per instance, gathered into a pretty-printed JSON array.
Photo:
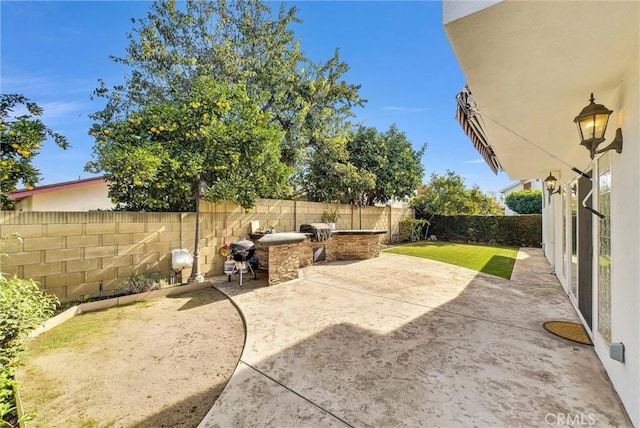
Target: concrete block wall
[
  {"x": 78, "y": 255},
  {"x": 83, "y": 254}
]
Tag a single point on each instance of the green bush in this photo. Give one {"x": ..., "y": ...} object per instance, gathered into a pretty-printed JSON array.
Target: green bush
[
  {"x": 24, "y": 307},
  {"x": 517, "y": 231},
  {"x": 525, "y": 201},
  {"x": 141, "y": 283},
  {"x": 413, "y": 229}
]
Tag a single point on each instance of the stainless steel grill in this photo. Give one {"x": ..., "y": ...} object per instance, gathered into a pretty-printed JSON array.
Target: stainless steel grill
[{"x": 319, "y": 231}]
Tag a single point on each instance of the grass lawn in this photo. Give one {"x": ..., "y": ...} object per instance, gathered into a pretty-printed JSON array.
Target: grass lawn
[{"x": 493, "y": 260}]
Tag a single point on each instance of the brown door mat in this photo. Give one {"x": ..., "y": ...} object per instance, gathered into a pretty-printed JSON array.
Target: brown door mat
[{"x": 568, "y": 330}]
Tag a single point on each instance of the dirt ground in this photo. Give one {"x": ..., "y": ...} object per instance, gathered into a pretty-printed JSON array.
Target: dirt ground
[{"x": 160, "y": 363}]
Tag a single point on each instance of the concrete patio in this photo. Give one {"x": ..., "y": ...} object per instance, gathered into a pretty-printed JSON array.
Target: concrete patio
[{"x": 401, "y": 341}]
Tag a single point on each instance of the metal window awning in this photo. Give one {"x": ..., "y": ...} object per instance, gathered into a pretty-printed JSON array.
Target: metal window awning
[{"x": 471, "y": 122}]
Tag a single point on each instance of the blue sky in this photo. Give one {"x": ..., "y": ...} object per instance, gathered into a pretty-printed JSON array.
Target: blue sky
[{"x": 54, "y": 52}]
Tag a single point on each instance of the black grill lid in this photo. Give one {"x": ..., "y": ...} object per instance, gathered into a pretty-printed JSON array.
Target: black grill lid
[
  {"x": 312, "y": 227},
  {"x": 320, "y": 231},
  {"x": 241, "y": 245}
]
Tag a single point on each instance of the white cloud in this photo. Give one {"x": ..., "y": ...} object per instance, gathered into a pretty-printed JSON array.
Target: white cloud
[
  {"x": 37, "y": 88},
  {"x": 475, "y": 161},
  {"x": 56, "y": 110},
  {"x": 25, "y": 85},
  {"x": 405, "y": 109}
]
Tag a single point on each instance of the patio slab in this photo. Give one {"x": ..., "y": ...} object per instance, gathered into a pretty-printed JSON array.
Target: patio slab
[{"x": 403, "y": 341}]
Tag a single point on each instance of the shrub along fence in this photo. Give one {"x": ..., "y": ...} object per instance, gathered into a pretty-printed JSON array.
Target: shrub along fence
[
  {"x": 512, "y": 230},
  {"x": 79, "y": 255}
]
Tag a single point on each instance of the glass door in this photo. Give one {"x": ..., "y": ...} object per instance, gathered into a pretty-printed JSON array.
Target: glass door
[
  {"x": 604, "y": 248},
  {"x": 573, "y": 239}
]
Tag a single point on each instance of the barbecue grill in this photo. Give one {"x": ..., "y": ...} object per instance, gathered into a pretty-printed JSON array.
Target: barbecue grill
[
  {"x": 242, "y": 260},
  {"x": 318, "y": 231}
]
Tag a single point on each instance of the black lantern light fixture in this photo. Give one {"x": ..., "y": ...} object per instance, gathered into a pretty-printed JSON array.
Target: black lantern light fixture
[
  {"x": 550, "y": 183},
  {"x": 196, "y": 276},
  {"x": 592, "y": 124}
]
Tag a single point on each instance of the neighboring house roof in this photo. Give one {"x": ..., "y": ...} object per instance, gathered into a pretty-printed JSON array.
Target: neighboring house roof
[
  {"x": 23, "y": 193},
  {"x": 510, "y": 188},
  {"x": 531, "y": 184},
  {"x": 87, "y": 194}
]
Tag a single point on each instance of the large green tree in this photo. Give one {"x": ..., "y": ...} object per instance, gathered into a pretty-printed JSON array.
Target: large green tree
[
  {"x": 390, "y": 157},
  {"x": 20, "y": 141},
  {"x": 330, "y": 177},
  {"x": 236, "y": 43},
  {"x": 156, "y": 156},
  {"x": 448, "y": 195}
]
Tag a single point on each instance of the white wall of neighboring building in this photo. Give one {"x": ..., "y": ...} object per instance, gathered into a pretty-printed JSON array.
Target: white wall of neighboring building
[{"x": 88, "y": 197}]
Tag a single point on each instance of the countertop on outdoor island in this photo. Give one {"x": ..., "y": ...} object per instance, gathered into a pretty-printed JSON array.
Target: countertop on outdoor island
[
  {"x": 279, "y": 238},
  {"x": 358, "y": 232}
]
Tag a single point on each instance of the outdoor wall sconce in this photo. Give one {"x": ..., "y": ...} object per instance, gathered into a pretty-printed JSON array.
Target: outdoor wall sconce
[
  {"x": 550, "y": 183},
  {"x": 592, "y": 124}
]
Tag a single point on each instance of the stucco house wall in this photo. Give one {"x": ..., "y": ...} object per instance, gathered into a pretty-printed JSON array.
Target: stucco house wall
[
  {"x": 625, "y": 240},
  {"x": 80, "y": 195},
  {"x": 625, "y": 243},
  {"x": 531, "y": 67}
]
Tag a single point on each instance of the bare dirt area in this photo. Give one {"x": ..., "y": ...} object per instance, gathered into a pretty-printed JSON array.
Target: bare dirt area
[{"x": 159, "y": 363}]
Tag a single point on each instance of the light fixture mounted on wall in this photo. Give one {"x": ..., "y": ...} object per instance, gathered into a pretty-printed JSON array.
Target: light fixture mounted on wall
[
  {"x": 550, "y": 183},
  {"x": 592, "y": 124}
]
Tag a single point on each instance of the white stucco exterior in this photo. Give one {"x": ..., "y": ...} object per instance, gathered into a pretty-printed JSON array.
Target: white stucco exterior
[
  {"x": 531, "y": 67},
  {"x": 625, "y": 239},
  {"x": 82, "y": 195}
]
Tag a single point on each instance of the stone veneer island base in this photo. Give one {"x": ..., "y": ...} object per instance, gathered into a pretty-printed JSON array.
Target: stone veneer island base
[{"x": 283, "y": 254}]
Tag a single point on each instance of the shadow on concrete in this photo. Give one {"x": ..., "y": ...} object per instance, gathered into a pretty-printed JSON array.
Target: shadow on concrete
[
  {"x": 197, "y": 298},
  {"x": 499, "y": 266},
  {"x": 191, "y": 409},
  {"x": 471, "y": 352}
]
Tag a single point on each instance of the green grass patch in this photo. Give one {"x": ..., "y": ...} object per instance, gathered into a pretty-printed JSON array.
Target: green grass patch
[
  {"x": 87, "y": 328},
  {"x": 73, "y": 333},
  {"x": 493, "y": 260}
]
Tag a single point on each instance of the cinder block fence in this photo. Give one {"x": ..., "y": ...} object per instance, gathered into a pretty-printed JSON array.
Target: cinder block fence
[{"x": 78, "y": 255}]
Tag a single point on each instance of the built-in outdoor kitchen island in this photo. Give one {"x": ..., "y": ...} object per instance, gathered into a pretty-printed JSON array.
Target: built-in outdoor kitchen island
[{"x": 283, "y": 254}]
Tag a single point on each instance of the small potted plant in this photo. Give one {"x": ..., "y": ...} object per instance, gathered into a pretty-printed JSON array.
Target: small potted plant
[
  {"x": 331, "y": 216},
  {"x": 260, "y": 232}
]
